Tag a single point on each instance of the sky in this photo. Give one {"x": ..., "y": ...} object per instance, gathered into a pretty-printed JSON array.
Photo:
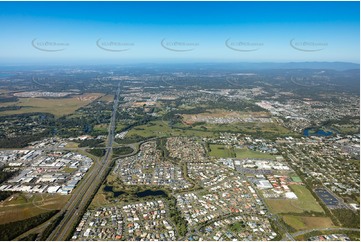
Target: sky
[{"x": 112, "y": 32}]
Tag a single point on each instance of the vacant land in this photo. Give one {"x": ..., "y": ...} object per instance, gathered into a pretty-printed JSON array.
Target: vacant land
[
  {"x": 29, "y": 205},
  {"x": 305, "y": 222},
  {"x": 252, "y": 128},
  {"x": 56, "y": 106},
  {"x": 118, "y": 128},
  {"x": 227, "y": 116},
  {"x": 305, "y": 202},
  {"x": 101, "y": 128},
  {"x": 247, "y": 153},
  {"x": 162, "y": 129},
  {"x": 143, "y": 104},
  {"x": 99, "y": 200},
  {"x": 107, "y": 98},
  {"x": 221, "y": 151}
]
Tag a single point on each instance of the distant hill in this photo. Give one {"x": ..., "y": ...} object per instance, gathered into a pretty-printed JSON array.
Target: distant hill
[
  {"x": 338, "y": 66},
  {"x": 197, "y": 65}
]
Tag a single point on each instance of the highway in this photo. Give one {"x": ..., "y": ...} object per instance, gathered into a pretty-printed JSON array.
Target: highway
[
  {"x": 337, "y": 230},
  {"x": 88, "y": 187}
]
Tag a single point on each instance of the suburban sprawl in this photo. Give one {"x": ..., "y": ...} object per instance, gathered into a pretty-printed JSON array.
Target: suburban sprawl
[{"x": 193, "y": 154}]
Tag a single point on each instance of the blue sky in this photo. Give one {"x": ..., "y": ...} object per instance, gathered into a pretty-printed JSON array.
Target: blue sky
[{"x": 191, "y": 31}]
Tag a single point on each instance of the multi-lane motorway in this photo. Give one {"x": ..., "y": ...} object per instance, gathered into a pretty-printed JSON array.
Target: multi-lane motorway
[{"x": 87, "y": 188}]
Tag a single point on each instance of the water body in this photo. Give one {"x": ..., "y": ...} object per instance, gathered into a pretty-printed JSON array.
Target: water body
[
  {"x": 3, "y": 75},
  {"x": 151, "y": 193},
  {"x": 110, "y": 189},
  {"x": 319, "y": 132}
]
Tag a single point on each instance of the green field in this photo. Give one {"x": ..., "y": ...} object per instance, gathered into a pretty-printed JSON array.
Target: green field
[
  {"x": 347, "y": 128},
  {"x": 119, "y": 127},
  {"x": 103, "y": 128},
  {"x": 162, "y": 129},
  {"x": 306, "y": 222},
  {"x": 221, "y": 151},
  {"x": 268, "y": 129},
  {"x": 26, "y": 206},
  {"x": 56, "y": 106},
  {"x": 69, "y": 170},
  {"x": 246, "y": 153},
  {"x": 305, "y": 202},
  {"x": 296, "y": 179}
]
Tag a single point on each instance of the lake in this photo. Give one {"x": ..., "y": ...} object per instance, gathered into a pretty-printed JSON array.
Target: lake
[
  {"x": 151, "y": 193},
  {"x": 319, "y": 132},
  {"x": 110, "y": 189}
]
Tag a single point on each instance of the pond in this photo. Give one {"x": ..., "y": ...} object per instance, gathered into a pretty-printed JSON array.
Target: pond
[
  {"x": 319, "y": 132},
  {"x": 110, "y": 189},
  {"x": 151, "y": 193}
]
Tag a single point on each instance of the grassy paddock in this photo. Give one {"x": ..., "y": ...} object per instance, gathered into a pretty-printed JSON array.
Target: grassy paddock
[
  {"x": 246, "y": 153},
  {"x": 305, "y": 202},
  {"x": 24, "y": 206},
  {"x": 221, "y": 151},
  {"x": 56, "y": 106},
  {"x": 306, "y": 222}
]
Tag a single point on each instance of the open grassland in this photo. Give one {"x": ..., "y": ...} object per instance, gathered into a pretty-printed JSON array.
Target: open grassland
[
  {"x": 221, "y": 151},
  {"x": 247, "y": 153},
  {"x": 306, "y": 222},
  {"x": 252, "y": 128},
  {"x": 56, "y": 106},
  {"x": 162, "y": 129},
  {"x": 305, "y": 202},
  {"x": 119, "y": 127},
  {"x": 103, "y": 128},
  {"x": 71, "y": 145},
  {"x": 107, "y": 98},
  {"x": 99, "y": 200},
  {"x": 25, "y": 206}
]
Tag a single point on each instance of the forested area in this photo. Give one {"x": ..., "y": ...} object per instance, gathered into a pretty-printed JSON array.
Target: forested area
[{"x": 11, "y": 230}]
